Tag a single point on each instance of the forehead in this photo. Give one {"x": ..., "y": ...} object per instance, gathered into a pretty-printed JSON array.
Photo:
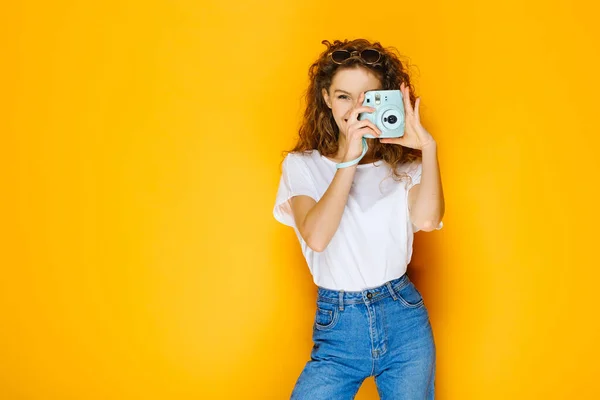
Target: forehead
[{"x": 355, "y": 80}]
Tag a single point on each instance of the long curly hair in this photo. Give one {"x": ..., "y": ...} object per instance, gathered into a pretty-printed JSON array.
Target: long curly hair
[{"x": 318, "y": 128}]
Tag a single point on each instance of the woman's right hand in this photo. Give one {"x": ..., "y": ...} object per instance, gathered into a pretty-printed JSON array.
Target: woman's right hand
[{"x": 356, "y": 129}]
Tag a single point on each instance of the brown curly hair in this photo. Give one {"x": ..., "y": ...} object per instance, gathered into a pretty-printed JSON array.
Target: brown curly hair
[{"x": 318, "y": 128}]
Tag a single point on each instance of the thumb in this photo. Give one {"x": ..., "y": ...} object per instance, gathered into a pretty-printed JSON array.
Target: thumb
[{"x": 398, "y": 140}]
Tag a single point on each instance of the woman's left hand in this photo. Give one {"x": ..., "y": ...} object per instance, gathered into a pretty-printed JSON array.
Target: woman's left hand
[{"x": 415, "y": 136}]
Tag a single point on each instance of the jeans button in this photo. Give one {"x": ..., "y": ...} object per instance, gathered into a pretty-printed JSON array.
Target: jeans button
[{"x": 369, "y": 295}]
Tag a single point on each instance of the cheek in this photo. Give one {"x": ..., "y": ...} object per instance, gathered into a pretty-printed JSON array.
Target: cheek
[{"x": 341, "y": 111}]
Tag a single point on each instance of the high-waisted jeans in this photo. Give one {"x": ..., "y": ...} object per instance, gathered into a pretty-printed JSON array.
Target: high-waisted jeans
[{"x": 382, "y": 332}]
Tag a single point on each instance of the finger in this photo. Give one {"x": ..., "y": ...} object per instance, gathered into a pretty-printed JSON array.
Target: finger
[
  {"x": 365, "y": 124},
  {"x": 406, "y": 97},
  {"x": 358, "y": 133},
  {"x": 354, "y": 113},
  {"x": 399, "y": 140},
  {"x": 417, "y": 103},
  {"x": 361, "y": 98},
  {"x": 368, "y": 130},
  {"x": 374, "y": 128},
  {"x": 359, "y": 101}
]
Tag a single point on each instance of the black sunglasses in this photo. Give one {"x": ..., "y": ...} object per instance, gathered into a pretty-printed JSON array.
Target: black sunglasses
[{"x": 369, "y": 56}]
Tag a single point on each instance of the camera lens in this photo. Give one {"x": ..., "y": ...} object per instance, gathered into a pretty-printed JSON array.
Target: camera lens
[{"x": 392, "y": 118}]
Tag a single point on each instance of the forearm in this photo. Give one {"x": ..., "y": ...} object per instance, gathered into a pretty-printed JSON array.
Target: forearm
[
  {"x": 429, "y": 206},
  {"x": 323, "y": 219}
]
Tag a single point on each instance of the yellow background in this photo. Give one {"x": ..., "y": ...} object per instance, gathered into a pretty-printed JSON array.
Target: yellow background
[{"x": 140, "y": 160}]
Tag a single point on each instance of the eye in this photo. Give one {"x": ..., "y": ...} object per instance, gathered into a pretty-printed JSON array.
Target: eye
[{"x": 343, "y": 96}]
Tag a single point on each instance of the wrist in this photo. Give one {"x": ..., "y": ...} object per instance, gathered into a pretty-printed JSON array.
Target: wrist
[
  {"x": 429, "y": 146},
  {"x": 349, "y": 157},
  {"x": 345, "y": 160}
]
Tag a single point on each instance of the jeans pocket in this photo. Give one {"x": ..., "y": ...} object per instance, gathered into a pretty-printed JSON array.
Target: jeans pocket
[
  {"x": 326, "y": 316},
  {"x": 409, "y": 295}
]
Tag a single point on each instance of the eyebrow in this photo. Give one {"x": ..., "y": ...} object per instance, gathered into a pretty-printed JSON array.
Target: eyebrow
[{"x": 343, "y": 91}]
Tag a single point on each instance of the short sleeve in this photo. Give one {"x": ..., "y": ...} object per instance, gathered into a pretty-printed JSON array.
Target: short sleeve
[
  {"x": 295, "y": 180},
  {"x": 415, "y": 170}
]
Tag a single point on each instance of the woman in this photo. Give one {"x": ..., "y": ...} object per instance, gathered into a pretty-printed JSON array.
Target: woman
[{"x": 355, "y": 215}]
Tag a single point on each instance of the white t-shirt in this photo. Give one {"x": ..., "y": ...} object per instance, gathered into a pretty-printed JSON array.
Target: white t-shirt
[{"x": 373, "y": 243}]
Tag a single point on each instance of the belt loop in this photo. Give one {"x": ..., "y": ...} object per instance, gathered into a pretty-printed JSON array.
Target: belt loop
[
  {"x": 391, "y": 289},
  {"x": 341, "y": 300}
]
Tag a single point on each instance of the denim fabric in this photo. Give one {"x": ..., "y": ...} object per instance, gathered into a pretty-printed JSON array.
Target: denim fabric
[{"x": 383, "y": 332}]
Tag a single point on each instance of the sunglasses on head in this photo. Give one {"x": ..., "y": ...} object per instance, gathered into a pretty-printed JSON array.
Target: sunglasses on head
[{"x": 369, "y": 56}]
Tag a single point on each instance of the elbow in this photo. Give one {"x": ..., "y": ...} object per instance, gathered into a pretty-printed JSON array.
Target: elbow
[
  {"x": 313, "y": 240},
  {"x": 429, "y": 225},
  {"x": 316, "y": 249},
  {"x": 316, "y": 244}
]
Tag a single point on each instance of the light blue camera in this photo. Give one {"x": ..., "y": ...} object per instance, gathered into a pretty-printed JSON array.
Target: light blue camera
[{"x": 389, "y": 112}]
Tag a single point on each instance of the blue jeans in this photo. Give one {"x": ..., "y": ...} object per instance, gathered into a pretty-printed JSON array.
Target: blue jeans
[{"x": 383, "y": 332}]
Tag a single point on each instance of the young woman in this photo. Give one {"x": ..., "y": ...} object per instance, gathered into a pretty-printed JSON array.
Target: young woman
[{"x": 355, "y": 214}]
